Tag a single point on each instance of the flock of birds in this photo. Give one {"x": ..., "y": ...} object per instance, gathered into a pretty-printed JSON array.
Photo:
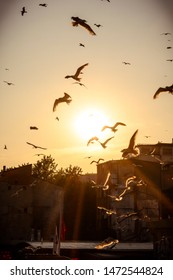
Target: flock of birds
[{"x": 131, "y": 149}]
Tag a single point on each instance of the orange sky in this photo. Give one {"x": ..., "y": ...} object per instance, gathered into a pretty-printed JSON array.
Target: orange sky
[{"x": 42, "y": 47}]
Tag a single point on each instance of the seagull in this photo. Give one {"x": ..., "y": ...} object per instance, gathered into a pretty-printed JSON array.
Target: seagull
[
  {"x": 78, "y": 83},
  {"x": 23, "y": 11},
  {"x": 36, "y": 147},
  {"x": 165, "y": 33},
  {"x": 108, "y": 211},
  {"x": 163, "y": 89},
  {"x": 33, "y": 127},
  {"x": 104, "y": 143},
  {"x": 81, "y": 45},
  {"x": 104, "y": 186},
  {"x": 94, "y": 138},
  {"x": 65, "y": 99},
  {"x": 131, "y": 148},
  {"x": 98, "y": 25},
  {"x": 171, "y": 60},
  {"x": 9, "y": 83},
  {"x": 78, "y": 72},
  {"x": 39, "y": 155},
  {"x": 78, "y": 21},
  {"x": 113, "y": 128},
  {"x": 126, "y": 63},
  {"x": 168, "y": 48},
  {"x": 43, "y": 5},
  {"x": 109, "y": 242},
  {"x": 96, "y": 161}
]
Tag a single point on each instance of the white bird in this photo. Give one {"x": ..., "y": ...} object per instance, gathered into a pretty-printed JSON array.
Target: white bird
[
  {"x": 104, "y": 186},
  {"x": 103, "y": 144}
]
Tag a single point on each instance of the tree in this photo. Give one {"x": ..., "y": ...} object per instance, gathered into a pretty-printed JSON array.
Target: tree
[{"x": 45, "y": 168}]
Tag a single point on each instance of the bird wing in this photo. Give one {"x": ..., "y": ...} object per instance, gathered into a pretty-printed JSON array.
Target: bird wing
[
  {"x": 56, "y": 102},
  {"x": 107, "y": 179},
  {"x": 108, "y": 140},
  {"x": 93, "y": 161},
  {"x": 132, "y": 140},
  {"x": 31, "y": 144},
  {"x": 87, "y": 27},
  {"x": 66, "y": 95},
  {"x": 161, "y": 89},
  {"x": 80, "y": 69},
  {"x": 119, "y": 123},
  {"x": 104, "y": 127}
]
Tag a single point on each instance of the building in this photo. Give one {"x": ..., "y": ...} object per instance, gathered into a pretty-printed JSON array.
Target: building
[
  {"x": 148, "y": 198},
  {"x": 29, "y": 209}
]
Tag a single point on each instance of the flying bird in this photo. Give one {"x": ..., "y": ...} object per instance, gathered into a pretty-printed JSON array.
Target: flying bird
[
  {"x": 76, "y": 75},
  {"x": 96, "y": 161},
  {"x": 103, "y": 144},
  {"x": 33, "y": 128},
  {"x": 78, "y": 21},
  {"x": 80, "y": 84},
  {"x": 9, "y": 83},
  {"x": 94, "y": 138},
  {"x": 5, "y": 147},
  {"x": 81, "y": 45},
  {"x": 131, "y": 150},
  {"x": 65, "y": 99},
  {"x": 113, "y": 128},
  {"x": 126, "y": 63},
  {"x": 171, "y": 60},
  {"x": 35, "y": 146},
  {"x": 168, "y": 48},
  {"x": 98, "y": 25},
  {"x": 43, "y": 5},
  {"x": 39, "y": 155},
  {"x": 165, "y": 33},
  {"x": 104, "y": 186},
  {"x": 168, "y": 89},
  {"x": 108, "y": 211},
  {"x": 23, "y": 11}
]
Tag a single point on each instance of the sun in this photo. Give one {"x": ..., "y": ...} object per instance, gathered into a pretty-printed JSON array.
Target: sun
[{"x": 89, "y": 123}]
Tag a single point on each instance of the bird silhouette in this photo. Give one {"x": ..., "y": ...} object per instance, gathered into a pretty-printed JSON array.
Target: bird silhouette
[
  {"x": 35, "y": 146},
  {"x": 126, "y": 63},
  {"x": 9, "y": 83},
  {"x": 81, "y": 45},
  {"x": 113, "y": 128},
  {"x": 78, "y": 21},
  {"x": 96, "y": 161},
  {"x": 78, "y": 72},
  {"x": 131, "y": 150},
  {"x": 168, "y": 48},
  {"x": 168, "y": 89},
  {"x": 23, "y": 11},
  {"x": 39, "y": 155},
  {"x": 165, "y": 33},
  {"x": 103, "y": 144},
  {"x": 43, "y": 5},
  {"x": 98, "y": 25},
  {"x": 94, "y": 138},
  {"x": 33, "y": 128},
  {"x": 65, "y": 99},
  {"x": 5, "y": 147},
  {"x": 171, "y": 60},
  {"x": 80, "y": 84}
]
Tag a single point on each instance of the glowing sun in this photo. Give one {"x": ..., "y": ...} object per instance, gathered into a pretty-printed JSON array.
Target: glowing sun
[{"x": 89, "y": 123}]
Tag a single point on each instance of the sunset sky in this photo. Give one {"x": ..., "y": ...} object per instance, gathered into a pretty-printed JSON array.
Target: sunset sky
[{"x": 38, "y": 49}]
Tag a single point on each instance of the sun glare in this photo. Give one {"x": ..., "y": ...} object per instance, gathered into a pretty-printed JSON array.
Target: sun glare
[{"x": 89, "y": 123}]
